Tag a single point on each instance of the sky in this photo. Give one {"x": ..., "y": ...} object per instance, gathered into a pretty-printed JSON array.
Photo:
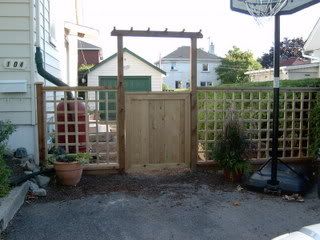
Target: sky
[{"x": 218, "y": 23}]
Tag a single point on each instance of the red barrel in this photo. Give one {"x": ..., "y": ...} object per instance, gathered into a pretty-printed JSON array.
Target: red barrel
[{"x": 71, "y": 123}]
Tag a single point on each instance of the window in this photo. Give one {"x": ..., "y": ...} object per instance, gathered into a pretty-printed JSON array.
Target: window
[
  {"x": 209, "y": 84},
  {"x": 52, "y": 22},
  {"x": 205, "y": 67},
  {"x": 178, "y": 84},
  {"x": 202, "y": 84},
  {"x": 173, "y": 66}
]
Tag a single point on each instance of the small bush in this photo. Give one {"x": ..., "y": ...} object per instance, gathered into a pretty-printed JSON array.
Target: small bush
[
  {"x": 6, "y": 129},
  {"x": 315, "y": 127},
  {"x": 4, "y": 178},
  {"x": 231, "y": 151}
]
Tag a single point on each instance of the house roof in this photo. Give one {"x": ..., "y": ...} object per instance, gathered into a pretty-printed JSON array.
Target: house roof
[
  {"x": 184, "y": 53},
  {"x": 292, "y": 61},
  {"x": 313, "y": 41},
  {"x": 87, "y": 46},
  {"x": 131, "y": 53}
]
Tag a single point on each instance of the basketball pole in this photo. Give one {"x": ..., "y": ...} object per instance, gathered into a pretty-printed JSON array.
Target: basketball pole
[{"x": 273, "y": 182}]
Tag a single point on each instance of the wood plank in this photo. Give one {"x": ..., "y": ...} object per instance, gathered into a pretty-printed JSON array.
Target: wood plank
[
  {"x": 120, "y": 106},
  {"x": 193, "y": 105},
  {"x": 165, "y": 34},
  {"x": 41, "y": 123}
]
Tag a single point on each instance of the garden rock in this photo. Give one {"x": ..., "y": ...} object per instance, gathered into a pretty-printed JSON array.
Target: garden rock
[
  {"x": 30, "y": 166},
  {"x": 34, "y": 188},
  {"x": 20, "y": 153},
  {"x": 41, "y": 192},
  {"x": 42, "y": 181}
]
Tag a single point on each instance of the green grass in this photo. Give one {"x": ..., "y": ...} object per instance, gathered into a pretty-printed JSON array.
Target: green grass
[{"x": 314, "y": 82}]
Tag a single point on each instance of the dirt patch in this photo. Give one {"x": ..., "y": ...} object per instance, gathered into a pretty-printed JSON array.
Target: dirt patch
[{"x": 151, "y": 184}]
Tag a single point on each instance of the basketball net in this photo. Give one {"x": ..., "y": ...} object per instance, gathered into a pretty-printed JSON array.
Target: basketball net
[{"x": 263, "y": 10}]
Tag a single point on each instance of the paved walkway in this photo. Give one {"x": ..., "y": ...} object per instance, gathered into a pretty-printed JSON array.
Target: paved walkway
[{"x": 181, "y": 212}]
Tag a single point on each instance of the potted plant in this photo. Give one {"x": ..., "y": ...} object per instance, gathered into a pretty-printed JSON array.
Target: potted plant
[
  {"x": 231, "y": 151},
  {"x": 69, "y": 167}
]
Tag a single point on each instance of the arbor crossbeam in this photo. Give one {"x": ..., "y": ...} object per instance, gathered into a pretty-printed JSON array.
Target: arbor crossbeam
[{"x": 149, "y": 33}]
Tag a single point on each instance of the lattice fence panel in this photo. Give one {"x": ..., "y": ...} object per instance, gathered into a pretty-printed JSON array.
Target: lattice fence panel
[
  {"x": 94, "y": 130},
  {"x": 253, "y": 107}
]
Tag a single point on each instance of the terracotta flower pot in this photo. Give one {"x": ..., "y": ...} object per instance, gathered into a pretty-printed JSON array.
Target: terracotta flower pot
[
  {"x": 69, "y": 174},
  {"x": 232, "y": 176}
]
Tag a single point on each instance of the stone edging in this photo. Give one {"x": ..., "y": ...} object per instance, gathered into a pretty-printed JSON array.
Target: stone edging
[{"x": 10, "y": 204}]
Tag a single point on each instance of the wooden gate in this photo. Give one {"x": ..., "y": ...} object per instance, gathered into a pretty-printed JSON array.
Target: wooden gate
[{"x": 157, "y": 130}]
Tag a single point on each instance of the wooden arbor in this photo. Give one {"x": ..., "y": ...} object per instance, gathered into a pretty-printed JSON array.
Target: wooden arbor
[{"x": 193, "y": 36}]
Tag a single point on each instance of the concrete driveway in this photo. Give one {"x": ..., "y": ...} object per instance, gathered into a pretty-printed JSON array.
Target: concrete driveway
[{"x": 182, "y": 211}]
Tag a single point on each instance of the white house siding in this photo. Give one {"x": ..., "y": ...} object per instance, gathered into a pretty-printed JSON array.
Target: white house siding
[
  {"x": 132, "y": 67},
  {"x": 51, "y": 51},
  {"x": 18, "y": 34},
  {"x": 297, "y": 72},
  {"x": 16, "y": 42},
  {"x": 182, "y": 72}
]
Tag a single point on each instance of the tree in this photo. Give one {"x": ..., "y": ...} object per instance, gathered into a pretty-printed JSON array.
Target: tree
[
  {"x": 288, "y": 48},
  {"x": 233, "y": 67}
]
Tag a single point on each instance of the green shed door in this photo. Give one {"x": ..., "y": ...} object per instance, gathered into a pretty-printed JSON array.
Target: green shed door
[{"x": 131, "y": 84}]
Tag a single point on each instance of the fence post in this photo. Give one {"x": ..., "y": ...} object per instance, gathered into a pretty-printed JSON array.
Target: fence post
[
  {"x": 121, "y": 107},
  {"x": 40, "y": 122},
  {"x": 193, "y": 105}
]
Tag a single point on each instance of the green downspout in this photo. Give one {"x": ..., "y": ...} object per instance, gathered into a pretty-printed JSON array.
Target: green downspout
[{"x": 46, "y": 75}]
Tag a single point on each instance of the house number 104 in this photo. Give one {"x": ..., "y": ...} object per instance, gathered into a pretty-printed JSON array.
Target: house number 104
[{"x": 18, "y": 64}]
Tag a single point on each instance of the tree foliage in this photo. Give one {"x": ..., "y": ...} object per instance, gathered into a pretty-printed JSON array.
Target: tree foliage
[
  {"x": 288, "y": 48},
  {"x": 233, "y": 67}
]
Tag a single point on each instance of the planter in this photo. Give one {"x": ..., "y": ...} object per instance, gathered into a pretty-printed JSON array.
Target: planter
[
  {"x": 232, "y": 176},
  {"x": 69, "y": 174}
]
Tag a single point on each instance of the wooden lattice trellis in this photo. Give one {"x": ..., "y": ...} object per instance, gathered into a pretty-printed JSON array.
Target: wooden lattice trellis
[
  {"x": 253, "y": 107},
  {"x": 93, "y": 131}
]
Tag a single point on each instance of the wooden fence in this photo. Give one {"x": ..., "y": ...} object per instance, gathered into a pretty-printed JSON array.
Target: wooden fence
[
  {"x": 158, "y": 125},
  {"x": 84, "y": 123},
  {"x": 253, "y": 107},
  {"x": 157, "y": 130}
]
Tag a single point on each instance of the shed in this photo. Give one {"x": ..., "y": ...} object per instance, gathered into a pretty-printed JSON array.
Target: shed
[{"x": 140, "y": 75}]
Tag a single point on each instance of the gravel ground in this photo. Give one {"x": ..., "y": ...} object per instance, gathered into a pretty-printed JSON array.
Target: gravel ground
[{"x": 162, "y": 205}]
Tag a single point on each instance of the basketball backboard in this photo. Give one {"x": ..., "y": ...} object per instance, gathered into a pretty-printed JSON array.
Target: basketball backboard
[{"x": 289, "y": 6}]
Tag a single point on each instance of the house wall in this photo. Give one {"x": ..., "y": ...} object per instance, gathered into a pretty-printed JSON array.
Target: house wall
[
  {"x": 132, "y": 67},
  {"x": 51, "y": 46},
  {"x": 182, "y": 72},
  {"x": 16, "y": 41},
  {"x": 266, "y": 75},
  {"x": 88, "y": 57},
  {"x": 286, "y": 73},
  {"x": 295, "y": 74},
  {"x": 19, "y": 33}
]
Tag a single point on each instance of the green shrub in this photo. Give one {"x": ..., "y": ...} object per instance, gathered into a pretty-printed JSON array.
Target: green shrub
[
  {"x": 231, "y": 151},
  {"x": 4, "y": 178},
  {"x": 315, "y": 127},
  {"x": 6, "y": 129}
]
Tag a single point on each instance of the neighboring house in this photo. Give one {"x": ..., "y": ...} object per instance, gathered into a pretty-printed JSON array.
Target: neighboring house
[
  {"x": 299, "y": 68},
  {"x": 312, "y": 46},
  {"x": 177, "y": 67},
  {"x": 25, "y": 25},
  {"x": 88, "y": 54},
  {"x": 140, "y": 75},
  {"x": 295, "y": 72}
]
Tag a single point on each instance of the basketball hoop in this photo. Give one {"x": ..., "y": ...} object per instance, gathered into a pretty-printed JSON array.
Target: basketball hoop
[{"x": 264, "y": 9}]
